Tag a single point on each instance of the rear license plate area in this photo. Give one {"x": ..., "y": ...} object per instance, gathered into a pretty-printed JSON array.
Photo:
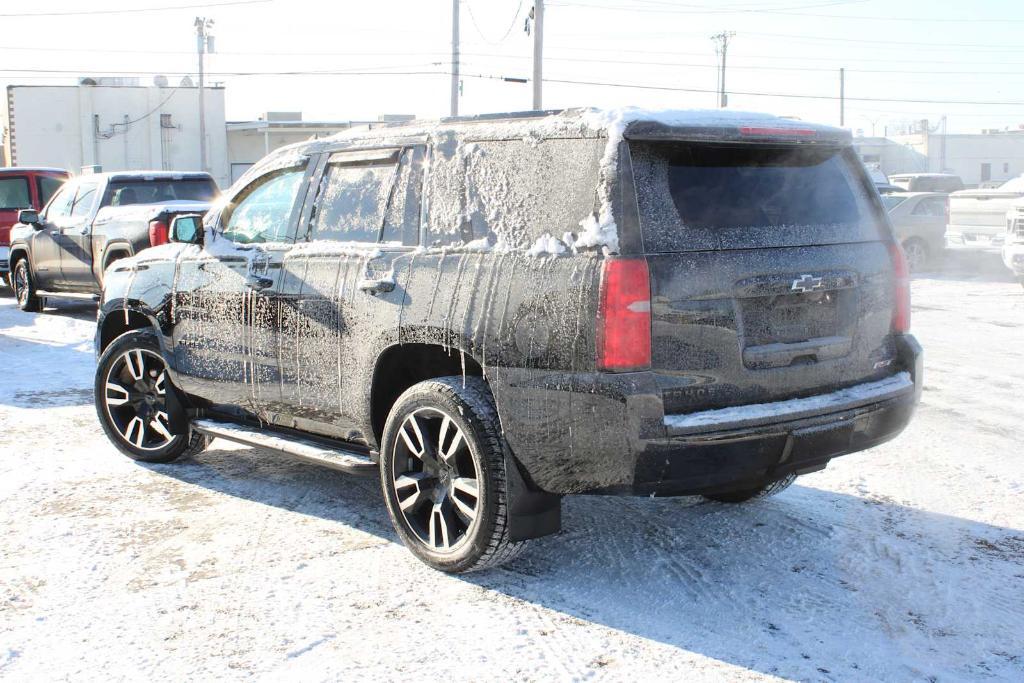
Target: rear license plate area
[{"x": 792, "y": 317}]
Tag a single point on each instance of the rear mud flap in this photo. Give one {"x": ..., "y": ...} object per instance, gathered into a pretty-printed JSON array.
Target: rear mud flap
[{"x": 531, "y": 513}]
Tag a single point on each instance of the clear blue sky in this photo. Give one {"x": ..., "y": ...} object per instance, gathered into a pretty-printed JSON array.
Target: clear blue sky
[{"x": 912, "y": 50}]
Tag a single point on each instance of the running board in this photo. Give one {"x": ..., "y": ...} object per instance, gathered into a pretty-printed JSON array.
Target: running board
[
  {"x": 306, "y": 449},
  {"x": 77, "y": 296}
]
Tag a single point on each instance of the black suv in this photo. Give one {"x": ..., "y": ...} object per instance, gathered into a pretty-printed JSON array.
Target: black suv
[{"x": 494, "y": 312}]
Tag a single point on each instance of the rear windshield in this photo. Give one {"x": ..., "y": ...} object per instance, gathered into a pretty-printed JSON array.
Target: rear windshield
[
  {"x": 128, "y": 192},
  {"x": 890, "y": 202},
  {"x": 14, "y": 193},
  {"x": 695, "y": 196}
]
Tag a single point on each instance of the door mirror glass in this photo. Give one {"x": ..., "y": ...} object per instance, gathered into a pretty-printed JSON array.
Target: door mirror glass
[
  {"x": 29, "y": 217},
  {"x": 187, "y": 229}
]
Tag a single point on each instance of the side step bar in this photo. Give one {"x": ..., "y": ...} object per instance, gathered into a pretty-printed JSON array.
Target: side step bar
[{"x": 306, "y": 449}]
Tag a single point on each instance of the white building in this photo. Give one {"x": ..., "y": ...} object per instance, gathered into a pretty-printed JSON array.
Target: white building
[
  {"x": 249, "y": 141},
  {"x": 975, "y": 157},
  {"x": 116, "y": 127}
]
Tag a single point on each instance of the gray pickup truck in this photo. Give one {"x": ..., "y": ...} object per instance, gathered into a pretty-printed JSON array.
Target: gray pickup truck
[{"x": 91, "y": 222}]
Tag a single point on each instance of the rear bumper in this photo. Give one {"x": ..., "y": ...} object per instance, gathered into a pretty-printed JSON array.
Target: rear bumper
[
  {"x": 614, "y": 438},
  {"x": 975, "y": 239}
]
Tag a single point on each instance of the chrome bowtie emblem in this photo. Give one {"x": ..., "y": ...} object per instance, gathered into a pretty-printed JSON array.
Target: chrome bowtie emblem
[{"x": 807, "y": 283}]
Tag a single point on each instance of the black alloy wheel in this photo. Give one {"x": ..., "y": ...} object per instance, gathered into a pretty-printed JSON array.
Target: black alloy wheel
[
  {"x": 442, "y": 469},
  {"x": 132, "y": 390},
  {"x": 435, "y": 479}
]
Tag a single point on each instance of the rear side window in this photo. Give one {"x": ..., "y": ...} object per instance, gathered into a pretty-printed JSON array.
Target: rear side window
[
  {"x": 695, "y": 196},
  {"x": 126, "y": 193},
  {"x": 930, "y": 206},
  {"x": 14, "y": 193},
  {"x": 512, "y": 190},
  {"x": 47, "y": 186}
]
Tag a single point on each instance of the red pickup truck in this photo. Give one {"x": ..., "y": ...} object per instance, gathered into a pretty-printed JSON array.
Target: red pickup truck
[{"x": 23, "y": 188}]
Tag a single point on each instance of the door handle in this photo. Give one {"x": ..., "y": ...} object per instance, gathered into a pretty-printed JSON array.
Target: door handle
[
  {"x": 377, "y": 286},
  {"x": 259, "y": 282},
  {"x": 55, "y": 232}
]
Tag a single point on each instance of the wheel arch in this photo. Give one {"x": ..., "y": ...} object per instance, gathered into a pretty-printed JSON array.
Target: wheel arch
[
  {"x": 118, "y": 321},
  {"x": 400, "y": 366}
]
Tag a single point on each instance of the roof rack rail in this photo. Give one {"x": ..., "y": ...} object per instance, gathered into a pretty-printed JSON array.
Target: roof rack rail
[{"x": 529, "y": 114}]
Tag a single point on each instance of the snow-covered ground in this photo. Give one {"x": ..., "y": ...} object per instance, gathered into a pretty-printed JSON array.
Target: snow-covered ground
[{"x": 904, "y": 562}]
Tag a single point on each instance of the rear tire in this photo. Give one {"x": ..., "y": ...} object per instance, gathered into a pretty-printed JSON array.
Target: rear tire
[
  {"x": 442, "y": 468},
  {"x": 744, "y": 495},
  {"x": 24, "y": 288},
  {"x": 131, "y": 390}
]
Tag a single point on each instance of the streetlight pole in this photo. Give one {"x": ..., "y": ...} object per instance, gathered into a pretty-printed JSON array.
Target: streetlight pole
[
  {"x": 455, "y": 58},
  {"x": 204, "y": 43},
  {"x": 538, "y": 54}
]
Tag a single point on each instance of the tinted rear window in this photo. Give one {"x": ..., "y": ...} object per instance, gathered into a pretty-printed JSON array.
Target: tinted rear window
[
  {"x": 125, "y": 193},
  {"x": 14, "y": 193},
  {"x": 695, "y": 196}
]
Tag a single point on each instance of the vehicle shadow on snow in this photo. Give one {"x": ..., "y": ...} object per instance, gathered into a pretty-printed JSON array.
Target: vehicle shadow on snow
[{"x": 810, "y": 584}]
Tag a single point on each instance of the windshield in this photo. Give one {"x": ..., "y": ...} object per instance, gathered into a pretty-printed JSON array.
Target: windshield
[
  {"x": 14, "y": 193},
  {"x": 719, "y": 196},
  {"x": 1013, "y": 185},
  {"x": 128, "y": 192}
]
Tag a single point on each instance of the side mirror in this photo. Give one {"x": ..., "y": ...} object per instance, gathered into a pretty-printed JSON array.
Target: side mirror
[
  {"x": 29, "y": 217},
  {"x": 187, "y": 229}
]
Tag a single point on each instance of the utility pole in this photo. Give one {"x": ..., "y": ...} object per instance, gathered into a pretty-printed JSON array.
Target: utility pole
[
  {"x": 842, "y": 97},
  {"x": 204, "y": 44},
  {"x": 538, "y": 54},
  {"x": 722, "y": 49},
  {"x": 455, "y": 58}
]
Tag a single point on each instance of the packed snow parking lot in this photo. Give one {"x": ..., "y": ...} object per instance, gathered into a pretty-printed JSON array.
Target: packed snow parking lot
[{"x": 902, "y": 562}]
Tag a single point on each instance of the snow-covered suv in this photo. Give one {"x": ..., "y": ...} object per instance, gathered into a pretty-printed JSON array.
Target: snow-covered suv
[{"x": 491, "y": 313}]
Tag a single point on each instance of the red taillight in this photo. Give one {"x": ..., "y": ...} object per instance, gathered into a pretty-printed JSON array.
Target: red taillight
[
  {"x": 624, "y": 316},
  {"x": 901, "y": 287},
  {"x": 157, "y": 233}
]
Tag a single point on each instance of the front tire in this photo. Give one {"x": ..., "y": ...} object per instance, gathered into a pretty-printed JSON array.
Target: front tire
[
  {"x": 442, "y": 469},
  {"x": 742, "y": 496},
  {"x": 131, "y": 393},
  {"x": 24, "y": 287},
  {"x": 917, "y": 254}
]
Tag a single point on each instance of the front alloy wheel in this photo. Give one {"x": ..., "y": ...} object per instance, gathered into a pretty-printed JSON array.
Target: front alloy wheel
[
  {"x": 24, "y": 289},
  {"x": 132, "y": 391}
]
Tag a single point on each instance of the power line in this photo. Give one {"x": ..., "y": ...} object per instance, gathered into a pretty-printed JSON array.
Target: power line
[
  {"x": 476, "y": 26},
  {"x": 132, "y": 10},
  {"x": 783, "y": 11},
  {"x": 783, "y": 95},
  {"x": 364, "y": 72}
]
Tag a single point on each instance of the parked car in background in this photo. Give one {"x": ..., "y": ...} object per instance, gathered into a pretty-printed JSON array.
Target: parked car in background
[
  {"x": 1013, "y": 250},
  {"x": 94, "y": 220},
  {"x": 23, "y": 188},
  {"x": 927, "y": 182},
  {"x": 919, "y": 221},
  {"x": 880, "y": 180},
  {"x": 487, "y": 315},
  {"x": 977, "y": 218}
]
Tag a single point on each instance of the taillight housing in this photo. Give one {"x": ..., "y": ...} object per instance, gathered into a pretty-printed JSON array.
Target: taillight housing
[
  {"x": 158, "y": 233},
  {"x": 624, "y": 316},
  {"x": 901, "y": 287}
]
